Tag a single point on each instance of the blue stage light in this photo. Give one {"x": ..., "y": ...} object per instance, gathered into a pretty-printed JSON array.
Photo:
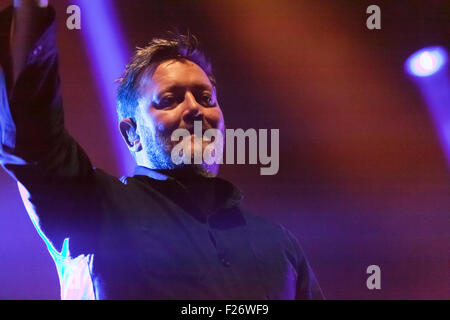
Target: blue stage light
[
  {"x": 426, "y": 61},
  {"x": 108, "y": 52},
  {"x": 435, "y": 90}
]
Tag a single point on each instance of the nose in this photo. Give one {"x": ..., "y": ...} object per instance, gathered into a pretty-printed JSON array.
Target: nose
[{"x": 192, "y": 109}]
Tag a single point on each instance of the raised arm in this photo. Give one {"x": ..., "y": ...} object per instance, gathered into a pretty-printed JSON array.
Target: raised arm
[
  {"x": 29, "y": 22},
  {"x": 35, "y": 147}
]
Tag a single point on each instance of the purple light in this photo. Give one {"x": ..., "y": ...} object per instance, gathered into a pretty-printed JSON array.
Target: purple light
[
  {"x": 426, "y": 62},
  {"x": 108, "y": 55},
  {"x": 435, "y": 88}
]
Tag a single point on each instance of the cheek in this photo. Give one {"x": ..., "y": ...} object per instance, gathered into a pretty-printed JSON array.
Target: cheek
[
  {"x": 165, "y": 121},
  {"x": 214, "y": 117}
]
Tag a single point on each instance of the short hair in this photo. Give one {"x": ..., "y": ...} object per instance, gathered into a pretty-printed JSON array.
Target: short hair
[{"x": 146, "y": 60}]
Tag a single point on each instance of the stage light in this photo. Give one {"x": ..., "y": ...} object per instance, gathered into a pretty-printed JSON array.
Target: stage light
[
  {"x": 108, "y": 52},
  {"x": 435, "y": 90},
  {"x": 426, "y": 62}
]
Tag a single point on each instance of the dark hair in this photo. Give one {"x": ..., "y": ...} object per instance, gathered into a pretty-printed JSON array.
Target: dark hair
[{"x": 146, "y": 60}]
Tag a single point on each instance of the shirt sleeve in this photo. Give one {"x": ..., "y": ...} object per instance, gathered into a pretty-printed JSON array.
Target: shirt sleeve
[
  {"x": 35, "y": 148},
  {"x": 307, "y": 287}
]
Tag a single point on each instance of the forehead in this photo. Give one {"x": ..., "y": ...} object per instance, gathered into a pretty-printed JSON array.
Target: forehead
[{"x": 179, "y": 73}]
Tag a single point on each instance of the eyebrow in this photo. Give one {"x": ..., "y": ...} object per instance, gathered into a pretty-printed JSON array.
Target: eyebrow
[{"x": 176, "y": 87}]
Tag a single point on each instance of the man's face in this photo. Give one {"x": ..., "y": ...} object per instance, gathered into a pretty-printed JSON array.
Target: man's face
[{"x": 178, "y": 93}]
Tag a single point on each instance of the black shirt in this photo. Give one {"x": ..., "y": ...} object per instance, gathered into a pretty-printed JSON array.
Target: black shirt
[{"x": 141, "y": 237}]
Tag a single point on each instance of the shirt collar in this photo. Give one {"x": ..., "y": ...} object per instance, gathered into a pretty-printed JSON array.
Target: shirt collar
[
  {"x": 232, "y": 195},
  {"x": 144, "y": 171}
]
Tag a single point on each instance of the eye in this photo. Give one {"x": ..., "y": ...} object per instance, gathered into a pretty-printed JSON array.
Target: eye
[
  {"x": 165, "y": 102},
  {"x": 207, "y": 100}
]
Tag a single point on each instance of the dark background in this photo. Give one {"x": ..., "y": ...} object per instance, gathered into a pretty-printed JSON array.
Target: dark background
[{"x": 363, "y": 178}]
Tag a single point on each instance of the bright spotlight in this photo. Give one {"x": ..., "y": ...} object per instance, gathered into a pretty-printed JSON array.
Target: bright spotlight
[{"x": 426, "y": 62}]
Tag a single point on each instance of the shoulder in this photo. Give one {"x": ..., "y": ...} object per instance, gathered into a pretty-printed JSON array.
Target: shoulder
[
  {"x": 262, "y": 224},
  {"x": 270, "y": 232},
  {"x": 275, "y": 240},
  {"x": 103, "y": 178},
  {"x": 109, "y": 186},
  {"x": 125, "y": 189}
]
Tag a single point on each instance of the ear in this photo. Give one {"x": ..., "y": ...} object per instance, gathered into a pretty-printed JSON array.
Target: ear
[{"x": 127, "y": 129}]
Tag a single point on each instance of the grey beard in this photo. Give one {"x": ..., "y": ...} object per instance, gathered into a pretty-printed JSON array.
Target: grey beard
[
  {"x": 158, "y": 155},
  {"x": 157, "y": 150}
]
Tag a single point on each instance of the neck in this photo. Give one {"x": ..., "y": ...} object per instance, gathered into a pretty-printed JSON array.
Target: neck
[
  {"x": 199, "y": 185},
  {"x": 188, "y": 172}
]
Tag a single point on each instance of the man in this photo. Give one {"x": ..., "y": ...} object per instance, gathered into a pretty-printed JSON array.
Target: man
[{"x": 170, "y": 231}]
